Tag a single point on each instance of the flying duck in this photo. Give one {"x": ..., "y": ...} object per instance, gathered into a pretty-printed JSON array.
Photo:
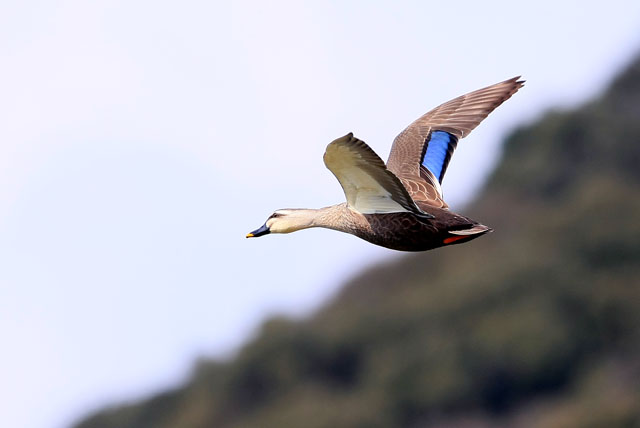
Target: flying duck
[{"x": 400, "y": 205}]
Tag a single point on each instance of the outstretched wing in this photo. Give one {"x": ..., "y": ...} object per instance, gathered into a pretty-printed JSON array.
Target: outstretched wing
[
  {"x": 368, "y": 185},
  {"x": 421, "y": 153}
]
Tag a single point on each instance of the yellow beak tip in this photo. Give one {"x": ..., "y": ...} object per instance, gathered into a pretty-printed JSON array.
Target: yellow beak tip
[{"x": 249, "y": 235}]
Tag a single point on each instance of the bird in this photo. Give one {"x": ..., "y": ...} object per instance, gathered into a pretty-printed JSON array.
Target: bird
[{"x": 399, "y": 205}]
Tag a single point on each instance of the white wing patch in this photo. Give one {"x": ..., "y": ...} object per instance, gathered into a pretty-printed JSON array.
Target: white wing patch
[
  {"x": 368, "y": 186},
  {"x": 363, "y": 192}
]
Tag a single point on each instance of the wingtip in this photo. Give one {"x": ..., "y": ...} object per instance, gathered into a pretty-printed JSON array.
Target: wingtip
[
  {"x": 518, "y": 81},
  {"x": 345, "y": 138}
]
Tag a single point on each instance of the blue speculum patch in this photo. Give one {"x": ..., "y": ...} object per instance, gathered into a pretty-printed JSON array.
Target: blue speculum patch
[{"x": 439, "y": 149}]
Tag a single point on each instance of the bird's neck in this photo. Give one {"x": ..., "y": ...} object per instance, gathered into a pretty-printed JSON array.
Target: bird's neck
[{"x": 333, "y": 217}]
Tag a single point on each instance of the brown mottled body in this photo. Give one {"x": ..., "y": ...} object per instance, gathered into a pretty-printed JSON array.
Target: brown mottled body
[{"x": 401, "y": 231}]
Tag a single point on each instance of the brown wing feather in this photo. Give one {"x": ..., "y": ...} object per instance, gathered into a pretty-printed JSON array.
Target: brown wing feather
[
  {"x": 425, "y": 188},
  {"x": 457, "y": 117}
]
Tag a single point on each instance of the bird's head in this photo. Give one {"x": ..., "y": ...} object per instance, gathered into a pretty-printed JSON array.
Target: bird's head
[{"x": 284, "y": 221}]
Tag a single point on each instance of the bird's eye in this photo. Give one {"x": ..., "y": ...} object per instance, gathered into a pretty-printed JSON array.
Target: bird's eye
[{"x": 274, "y": 215}]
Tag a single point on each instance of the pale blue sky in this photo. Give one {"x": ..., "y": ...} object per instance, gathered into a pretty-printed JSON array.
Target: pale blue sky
[{"x": 140, "y": 141}]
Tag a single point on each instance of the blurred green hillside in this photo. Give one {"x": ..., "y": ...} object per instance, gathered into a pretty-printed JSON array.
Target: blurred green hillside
[{"x": 535, "y": 325}]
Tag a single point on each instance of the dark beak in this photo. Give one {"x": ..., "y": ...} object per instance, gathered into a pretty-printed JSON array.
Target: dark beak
[{"x": 264, "y": 230}]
